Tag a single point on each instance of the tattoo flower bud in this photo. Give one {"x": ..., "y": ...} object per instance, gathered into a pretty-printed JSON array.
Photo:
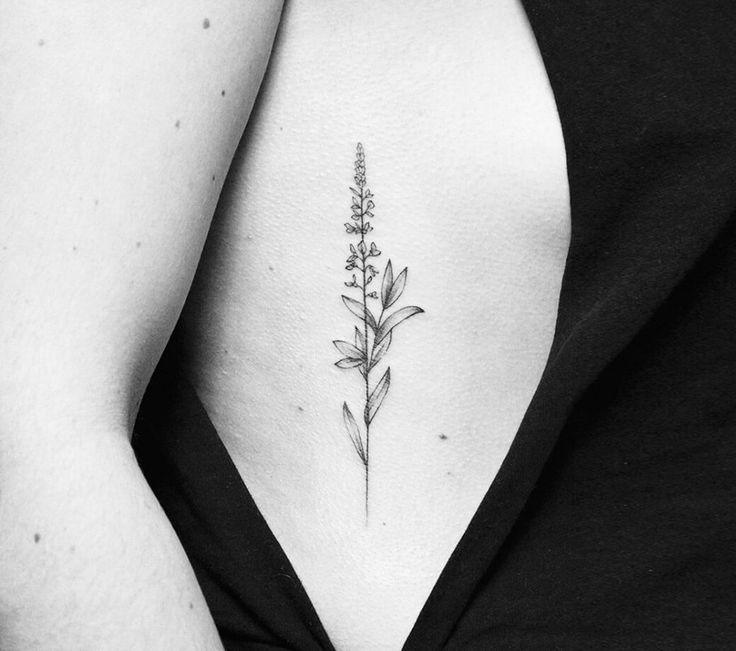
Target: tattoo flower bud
[
  {"x": 374, "y": 250},
  {"x": 361, "y": 247}
]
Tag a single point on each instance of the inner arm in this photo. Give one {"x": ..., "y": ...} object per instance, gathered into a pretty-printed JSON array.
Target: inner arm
[{"x": 118, "y": 127}]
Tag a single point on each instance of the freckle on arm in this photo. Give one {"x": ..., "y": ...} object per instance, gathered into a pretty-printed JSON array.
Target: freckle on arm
[{"x": 206, "y": 23}]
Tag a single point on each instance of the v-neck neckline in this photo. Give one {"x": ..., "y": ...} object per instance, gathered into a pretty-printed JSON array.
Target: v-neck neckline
[
  {"x": 603, "y": 304},
  {"x": 498, "y": 509},
  {"x": 487, "y": 529}
]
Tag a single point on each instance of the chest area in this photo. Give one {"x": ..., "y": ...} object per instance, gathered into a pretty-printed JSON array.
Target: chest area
[{"x": 462, "y": 153}]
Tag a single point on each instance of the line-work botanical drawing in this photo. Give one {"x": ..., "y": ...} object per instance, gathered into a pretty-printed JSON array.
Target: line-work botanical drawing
[{"x": 373, "y": 336}]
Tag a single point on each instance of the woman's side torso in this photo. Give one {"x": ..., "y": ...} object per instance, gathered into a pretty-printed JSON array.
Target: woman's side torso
[{"x": 465, "y": 159}]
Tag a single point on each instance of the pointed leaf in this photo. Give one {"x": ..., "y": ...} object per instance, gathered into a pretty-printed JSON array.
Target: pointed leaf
[
  {"x": 376, "y": 399},
  {"x": 353, "y": 432},
  {"x": 397, "y": 288},
  {"x": 388, "y": 281},
  {"x": 348, "y": 349},
  {"x": 397, "y": 317},
  {"x": 349, "y": 362},
  {"x": 355, "y": 192},
  {"x": 360, "y": 340},
  {"x": 360, "y": 311},
  {"x": 380, "y": 350}
]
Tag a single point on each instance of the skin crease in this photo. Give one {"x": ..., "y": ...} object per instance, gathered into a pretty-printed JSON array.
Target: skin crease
[{"x": 466, "y": 160}]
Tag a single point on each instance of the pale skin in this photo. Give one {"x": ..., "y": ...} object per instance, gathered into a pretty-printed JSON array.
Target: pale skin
[
  {"x": 114, "y": 155},
  {"x": 464, "y": 155},
  {"x": 116, "y": 138}
]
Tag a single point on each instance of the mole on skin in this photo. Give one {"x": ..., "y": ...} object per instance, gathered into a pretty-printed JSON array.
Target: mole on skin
[
  {"x": 206, "y": 23},
  {"x": 36, "y": 537},
  {"x": 443, "y": 437},
  {"x": 177, "y": 124}
]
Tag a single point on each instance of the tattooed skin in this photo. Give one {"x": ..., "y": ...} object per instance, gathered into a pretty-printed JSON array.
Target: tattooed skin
[{"x": 372, "y": 337}]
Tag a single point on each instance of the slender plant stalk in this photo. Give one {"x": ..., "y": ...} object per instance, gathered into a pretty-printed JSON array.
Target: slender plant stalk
[
  {"x": 367, "y": 372},
  {"x": 374, "y": 338}
]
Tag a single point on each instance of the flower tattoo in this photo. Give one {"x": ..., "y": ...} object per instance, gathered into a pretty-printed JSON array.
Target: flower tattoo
[{"x": 372, "y": 337}]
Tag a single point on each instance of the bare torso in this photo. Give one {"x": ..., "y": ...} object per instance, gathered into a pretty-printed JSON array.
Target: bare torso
[{"x": 465, "y": 158}]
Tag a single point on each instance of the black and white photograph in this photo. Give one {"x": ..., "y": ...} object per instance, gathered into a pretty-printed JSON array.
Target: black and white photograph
[{"x": 367, "y": 325}]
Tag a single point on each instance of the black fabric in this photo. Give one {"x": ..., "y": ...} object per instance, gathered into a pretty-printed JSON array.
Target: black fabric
[
  {"x": 251, "y": 589},
  {"x": 612, "y": 522}
]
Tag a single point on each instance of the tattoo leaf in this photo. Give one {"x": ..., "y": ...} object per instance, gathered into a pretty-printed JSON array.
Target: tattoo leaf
[
  {"x": 376, "y": 398},
  {"x": 359, "y": 310},
  {"x": 397, "y": 288},
  {"x": 349, "y": 362},
  {"x": 360, "y": 340},
  {"x": 349, "y": 350},
  {"x": 388, "y": 281},
  {"x": 397, "y": 317},
  {"x": 380, "y": 350},
  {"x": 353, "y": 432}
]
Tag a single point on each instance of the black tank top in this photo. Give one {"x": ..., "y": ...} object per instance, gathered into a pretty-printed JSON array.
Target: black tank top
[{"x": 612, "y": 522}]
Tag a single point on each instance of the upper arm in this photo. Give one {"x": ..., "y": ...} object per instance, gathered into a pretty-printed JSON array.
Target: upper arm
[
  {"x": 115, "y": 136},
  {"x": 118, "y": 123}
]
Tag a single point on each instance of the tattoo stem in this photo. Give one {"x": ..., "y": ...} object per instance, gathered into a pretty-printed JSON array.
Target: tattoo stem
[{"x": 367, "y": 356}]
